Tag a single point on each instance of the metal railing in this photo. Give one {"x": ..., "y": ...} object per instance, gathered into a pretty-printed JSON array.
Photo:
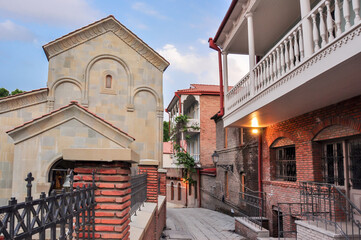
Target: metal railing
[
  {"x": 328, "y": 206},
  {"x": 139, "y": 192},
  {"x": 71, "y": 212},
  {"x": 287, "y": 214},
  {"x": 253, "y": 207}
]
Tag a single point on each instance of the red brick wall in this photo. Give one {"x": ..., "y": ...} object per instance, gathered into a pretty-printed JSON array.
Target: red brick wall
[
  {"x": 209, "y": 105},
  {"x": 112, "y": 196},
  {"x": 152, "y": 181},
  {"x": 302, "y": 130},
  {"x": 163, "y": 184}
]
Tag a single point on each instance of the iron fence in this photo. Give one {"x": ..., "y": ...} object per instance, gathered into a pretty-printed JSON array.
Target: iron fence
[
  {"x": 69, "y": 214},
  {"x": 328, "y": 206},
  {"x": 139, "y": 192},
  {"x": 253, "y": 207}
]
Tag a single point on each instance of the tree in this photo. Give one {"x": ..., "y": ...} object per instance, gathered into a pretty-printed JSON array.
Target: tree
[
  {"x": 4, "y": 92},
  {"x": 166, "y": 131},
  {"x": 17, "y": 91}
]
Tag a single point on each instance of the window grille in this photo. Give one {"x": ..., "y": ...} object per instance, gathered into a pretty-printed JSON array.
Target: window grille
[{"x": 286, "y": 163}]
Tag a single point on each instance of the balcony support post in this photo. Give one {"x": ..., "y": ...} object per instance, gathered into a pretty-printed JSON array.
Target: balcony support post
[
  {"x": 251, "y": 50},
  {"x": 225, "y": 74},
  {"x": 307, "y": 27}
]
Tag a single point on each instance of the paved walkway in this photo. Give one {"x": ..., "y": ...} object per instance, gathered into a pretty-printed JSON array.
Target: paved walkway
[{"x": 199, "y": 224}]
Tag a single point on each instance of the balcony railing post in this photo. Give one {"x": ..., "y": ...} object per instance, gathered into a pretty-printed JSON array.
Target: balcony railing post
[
  {"x": 307, "y": 28},
  {"x": 251, "y": 51}
]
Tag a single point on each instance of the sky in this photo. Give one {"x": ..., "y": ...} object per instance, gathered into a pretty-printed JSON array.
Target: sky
[{"x": 177, "y": 29}]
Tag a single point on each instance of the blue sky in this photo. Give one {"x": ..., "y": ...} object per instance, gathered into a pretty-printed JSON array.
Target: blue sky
[{"x": 177, "y": 29}]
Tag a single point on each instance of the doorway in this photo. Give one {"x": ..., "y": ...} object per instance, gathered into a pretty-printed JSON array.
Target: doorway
[{"x": 342, "y": 166}]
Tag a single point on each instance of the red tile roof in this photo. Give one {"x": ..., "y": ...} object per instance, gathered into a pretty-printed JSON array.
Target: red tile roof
[
  {"x": 24, "y": 93},
  {"x": 202, "y": 88},
  {"x": 167, "y": 147},
  {"x": 72, "y": 103}
]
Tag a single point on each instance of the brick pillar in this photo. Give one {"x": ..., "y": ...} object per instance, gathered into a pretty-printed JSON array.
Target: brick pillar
[
  {"x": 150, "y": 167},
  {"x": 162, "y": 174},
  {"x": 112, "y": 216}
]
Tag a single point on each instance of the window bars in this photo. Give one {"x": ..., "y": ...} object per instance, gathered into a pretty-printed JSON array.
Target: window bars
[{"x": 71, "y": 213}]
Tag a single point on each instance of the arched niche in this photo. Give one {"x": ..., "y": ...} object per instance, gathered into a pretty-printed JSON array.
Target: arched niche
[
  {"x": 124, "y": 66},
  {"x": 145, "y": 123},
  {"x": 335, "y": 131},
  {"x": 64, "y": 90},
  {"x": 282, "y": 142}
]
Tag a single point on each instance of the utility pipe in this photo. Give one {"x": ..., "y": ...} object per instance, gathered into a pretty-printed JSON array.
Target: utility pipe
[{"x": 221, "y": 90}]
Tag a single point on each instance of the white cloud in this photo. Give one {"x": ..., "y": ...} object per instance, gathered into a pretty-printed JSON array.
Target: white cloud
[
  {"x": 202, "y": 41},
  {"x": 148, "y": 10},
  {"x": 13, "y": 32},
  {"x": 204, "y": 68},
  {"x": 54, "y": 12}
]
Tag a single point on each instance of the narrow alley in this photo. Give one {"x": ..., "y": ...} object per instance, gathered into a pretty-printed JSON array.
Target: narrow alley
[{"x": 199, "y": 223}]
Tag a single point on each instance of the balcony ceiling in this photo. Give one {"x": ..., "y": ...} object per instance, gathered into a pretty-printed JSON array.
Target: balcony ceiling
[
  {"x": 271, "y": 19},
  {"x": 335, "y": 85}
]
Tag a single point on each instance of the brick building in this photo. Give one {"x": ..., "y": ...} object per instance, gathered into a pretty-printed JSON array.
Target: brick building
[
  {"x": 199, "y": 103},
  {"x": 302, "y": 95},
  {"x": 235, "y": 171}
]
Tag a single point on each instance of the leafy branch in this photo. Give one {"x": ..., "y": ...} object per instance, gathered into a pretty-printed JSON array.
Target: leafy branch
[{"x": 182, "y": 156}]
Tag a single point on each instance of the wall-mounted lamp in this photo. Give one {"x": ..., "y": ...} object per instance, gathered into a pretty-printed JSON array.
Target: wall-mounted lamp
[{"x": 215, "y": 158}]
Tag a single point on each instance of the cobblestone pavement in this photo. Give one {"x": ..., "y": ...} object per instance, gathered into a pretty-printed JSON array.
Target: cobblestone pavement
[{"x": 199, "y": 224}]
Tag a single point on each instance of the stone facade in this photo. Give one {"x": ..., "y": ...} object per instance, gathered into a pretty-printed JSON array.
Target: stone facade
[{"x": 117, "y": 82}]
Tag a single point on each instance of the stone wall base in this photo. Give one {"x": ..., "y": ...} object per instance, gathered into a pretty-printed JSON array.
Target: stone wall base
[
  {"x": 306, "y": 231},
  {"x": 249, "y": 229}
]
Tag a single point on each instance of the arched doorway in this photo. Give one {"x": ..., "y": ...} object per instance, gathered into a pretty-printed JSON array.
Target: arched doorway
[{"x": 57, "y": 174}]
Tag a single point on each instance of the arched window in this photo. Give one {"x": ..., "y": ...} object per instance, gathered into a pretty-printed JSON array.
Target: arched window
[
  {"x": 171, "y": 191},
  {"x": 108, "y": 81},
  {"x": 179, "y": 192}
]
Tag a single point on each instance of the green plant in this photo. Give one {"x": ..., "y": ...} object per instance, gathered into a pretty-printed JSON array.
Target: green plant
[{"x": 182, "y": 156}]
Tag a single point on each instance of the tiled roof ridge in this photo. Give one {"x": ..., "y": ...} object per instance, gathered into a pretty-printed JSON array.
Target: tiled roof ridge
[
  {"x": 75, "y": 103},
  {"x": 23, "y": 93}
]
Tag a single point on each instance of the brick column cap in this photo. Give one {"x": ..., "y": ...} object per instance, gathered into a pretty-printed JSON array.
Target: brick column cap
[
  {"x": 148, "y": 162},
  {"x": 162, "y": 170}
]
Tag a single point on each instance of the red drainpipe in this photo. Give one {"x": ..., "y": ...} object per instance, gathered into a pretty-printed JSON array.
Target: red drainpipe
[
  {"x": 180, "y": 103},
  {"x": 221, "y": 90},
  {"x": 260, "y": 163}
]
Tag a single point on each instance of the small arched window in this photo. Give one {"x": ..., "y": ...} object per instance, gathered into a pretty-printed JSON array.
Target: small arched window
[
  {"x": 179, "y": 192},
  {"x": 171, "y": 191},
  {"x": 108, "y": 81}
]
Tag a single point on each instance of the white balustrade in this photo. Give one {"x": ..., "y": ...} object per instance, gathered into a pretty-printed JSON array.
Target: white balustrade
[
  {"x": 325, "y": 27},
  {"x": 282, "y": 58},
  {"x": 329, "y": 19},
  {"x": 239, "y": 93}
]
